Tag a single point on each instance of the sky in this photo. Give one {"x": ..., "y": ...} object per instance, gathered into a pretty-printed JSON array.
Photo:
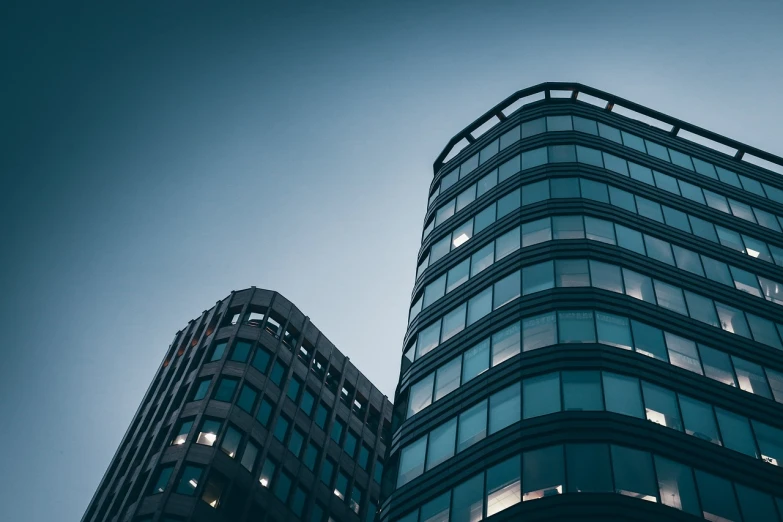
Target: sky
[{"x": 155, "y": 156}]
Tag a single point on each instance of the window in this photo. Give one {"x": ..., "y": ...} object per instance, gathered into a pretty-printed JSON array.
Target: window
[
  {"x": 755, "y": 505},
  {"x": 717, "y": 497},
  {"x": 181, "y": 435},
  {"x": 623, "y": 395},
  {"x": 378, "y": 471},
  {"x": 613, "y": 330},
  {"x": 572, "y": 272},
  {"x": 482, "y": 259},
  {"x": 441, "y": 445},
  {"x": 447, "y": 378},
  {"x": 265, "y": 412},
  {"x": 249, "y": 456},
  {"x": 486, "y": 183},
  {"x": 475, "y": 361},
  {"x": 218, "y": 350},
  {"x": 231, "y": 440},
  {"x": 658, "y": 250},
  {"x": 327, "y": 471},
  {"x": 699, "y": 420},
  {"x": 717, "y": 365},
  {"x": 670, "y": 297},
  {"x": 261, "y": 360},
  {"x": 588, "y": 468},
  {"x": 247, "y": 398},
  {"x": 241, "y": 351},
  {"x": 543, "y": 473},
  {"x": 575, "y": 327},
  {"x": 539, "y": 331},
  {"x": 649, "y": 209},
  {"x": 412, "y": 461},
  {"x": 295, "y": 442},
  {"x": 582, "y": 391},
  {"x": 337, "y": 430},
  {"x": 267, "y": 472},
  {"x": 364, "y": 457},
  {"x": 622, "y": 199},
  {"x": 505, "y": 344},
  {"x": 687, "y": 260},
  {"x": 535, "y": 232},
  {"x": 594, "y": 190},
  {"x": 599, "y": 230},
  {"x": 298, "y": 501},
  {"x": 349, "y": 446},
  {"x": 736, "y": 432},
  {"x": 770, "y": 443},
  {"x": 436, "y": 510},
  {"x": 308, "y": 401},
  {"x": 630, "y": 239},
  {"x": 420, "y": 395},
  {"x": 648, "y": 340},
  {"x": 683, "y": 353},
  {"x": 164, "y": 474},
  {"x": 468, "y": 501},
  {"x": 506, "y": 290},
  {"x": 294, "y": 385},
  {"x": 188, "y": 481},
  {"x": 776, "y": 383},
  {"x": 541, "y": 395},
  {"x": 282, "y": 487},
  {"x": 638, "y": 286},
  {"x": 732, "y": 320},
  {"x": 661, "y": 406},
  {"x": 281, "y": 428},
  {"x": 453, "y": 322},
  {"x": 676, "y": 486},
  {"x": 201, "y": 388},
  {"x": 484, "y": 218},
  {"x": 750, "y": 377},
  {"x": 506, "y": 244},
  {"x": 225, "y": 389},
  {"x": 472, "y": 426},
  {"x": 564, "y": 187},
  {"x": 458, "y": 275},
  {"x": 356, "y": 499},
  {"x": 536, "y": 278},
  {"x": 504, "y": 408},
  {"x": 568, "y": 227},
  {"x": 208, "y": 432},
  {"x": 701, "y": 308},
  {"x": 278, "y": 373},
  {"x": 508, "y": 204},
  {"x": 434, "y": 291},
  {"x": 310, "y": 458},
  {"x": 504, "y": 488},
  {"x": 428, "y": 339},
  {"x": 479, "y": 305},
  {"x": 213, "y": 489}
]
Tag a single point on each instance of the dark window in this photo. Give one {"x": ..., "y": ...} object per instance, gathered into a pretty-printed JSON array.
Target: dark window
[
  {"x": 699, "y": 420},
  {"x": 623, "y": 395},
  {"x": 337, "y": 430},
  {"x": 310, "y": 458},
  {"x": 201, "y": 388},
  {"x": 541, "y": 395},
  {"x": 231, "y": 441},
  {"x": 441, "y": 443},
  {"x": 341, "y": 485},
  {"x": 282, "y": 487},
  {"x": 582, "y": 391},
  {"x": 321, "y": 416},
  {"x": 265, "y": 412},
  {"x": 217, "y": 351},
  {"x": 261, "y": 360},
  {"x": 436, "y": 510},
  {"x": 278, "y": 373},
  {"x": 543, "y": 473},
  {"x": 295, "y": 442},
  {"x": 468, "y": 501},
  {"x": 576, "y": 327},
  {"x": 241, "y": 351},
  {"x": 633, "y": 473},
  {"x": 327, "y": 471},
  {"x": 189, "y": 480},
  {"x": 648, "y": 340},
  {"x": 164, "y": 474},
  {"x": 717, "y": 497},
  {"x": 588, "y": 468},
  {"x": 247, "y": 399},
  {"x": 294, "y": 385},
  {"x": 661, "y": 406},
  {"x": 736, "y": 432},
  {"x": 298, "y": 500},
  {"x": 308, "y": 401},
  {"x": 350, "y": 443},
  {"x": 225, "y": 389},
  {"x": 378, "y": 471},
  {"x": 755, "y": 505},
  {"x": 213, "y": 489},
  {"x": 281, "y": 428},
  {"x": 503, "y": 485},
  {"x": 364, "y": 457},
  {"x": 249, "y": 456},
  {"x": 267, "y": 472}
]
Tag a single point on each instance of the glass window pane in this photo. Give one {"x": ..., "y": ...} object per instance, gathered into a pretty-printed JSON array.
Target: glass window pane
[
  {"x": 420, "y": 395},
  {"x": 732, "y": 320},
  {"x": 623, "y": 395},
  {"x": 630, "y": 239},
  {"x": 613, "y": 330},
  {"x": 568, "y": 227},
  {"x": 441, "y": 445},
  {"x": 683, "y": 353},
  {"x": 585, "y": 125},
  {"x": 504, "y": 408},
  {"x": 482, "y": 259},
  {"x": 562, "y": 153},
  {"x": 717, "y": 497},
  {"x": 508, "y": 203},
  {"x": 633, "y": 473},
  {"x": 468, "y": 501},
  {"x": 468, "y": 166},
  {"x": 699, "y": 420},
  {"x": 458, "y": 275},
  {"x": 736, "y": 432},
  {"x": 755, "y": 505},
  {"x": 750, "y": 377},
  {"x": 486, "y": 183},
  {"x": 661, "y": 406},
  {"x": 658, "y": 249},
  {"x": 506, "y": 244},
  {"x": 535, "y": 192},
  {"x": 666, "y": 182},
  {"x": 717, "y": 271},
  {"x": 649, "y": 209},
  {"x": 576, "y": 327},
  {"x": 716, "y": 365},
  {"x": 729, "y": 238},
  {"x": 536, "y": 278},
  {"x": 763, "y": 331},
  {"x": 635, "y": 142},
  {"x": 436, "y": 510},
  {"x": 505, "y": 344},
  {"x": 511, "y": 136},
  {"x": 536, "y": 232},
  {"x": 702, "y": 167},
  {"x": 571, "y": 272},
  {"x": 687, "y": 260},
  {"x": 475, "y": 361},
  {"x": 675, "y": 218},
  {"x": 484, "y": 218},
  {"x": 703, "y": 229},
  {"x": 772, "y": 290},
  {"x": 610, "y": 133},
  {"x": 587, "y": 466},
  {"x": 188, "y": 481},
  {"x": 487, "y": 152},
  {"x": 444, "y": 212},
  {"x": 745, "y": 281},
  {"x": 479, "y": 305},
  {"x": 543, "y": 473},
  {"x": 412, "y": 461},
  {"x": 770, "y": 442},
  {"x": 453, "y": 322},
  {"x": 504, "y": 488},
  {"x": 472, "y": 426},
  {"x": 582, "y": 391},
  {"x": 447, "y": 378},
  {"x": 434, "y": 291},
  {"x": 564, "y": 187},
  {"x": 670, "y": 297},
  {"x": 507, "y": 289},
  {"x": 462, "y": 234},
  {"x": 656, "y": 150},
  {"x": 231, "y": 441},
  {"x": 638, "y": 286},
  {"x": 701, "y": 308},
  {"x": 676, "y": 486},
  {"x": 440, "y": 249},
  {"x": 622, "y": 199},
  {"x": 692, "y": 192},
  {"x": 606, "y": 276},
  {"x": 758, "y": 249},
  {"x": 599, "y": 230},
  {"x": 533, "y": 127},
  {"x": 541, "y": 395},
  {"x": 539, "y": 331},
  {"x": 776, "y": 383},
  {"x": 640, "y": 173},
  {"x": 589, "y": 156},
  {"x": 615, "y": 164},
  {"x": 648, "y": 340},
  {"x": 428, "y": 339}
]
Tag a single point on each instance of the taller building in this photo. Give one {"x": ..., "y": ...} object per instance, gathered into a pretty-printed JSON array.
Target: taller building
[
  {"x": 596, "y": 326},
  {"x": 255, "y": 416}
]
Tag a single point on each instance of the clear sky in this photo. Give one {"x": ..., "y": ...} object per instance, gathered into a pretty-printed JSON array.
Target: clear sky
[{"x": 153, "y": 158}]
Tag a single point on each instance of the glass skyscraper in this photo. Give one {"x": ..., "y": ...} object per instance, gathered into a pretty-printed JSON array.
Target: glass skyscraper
[{"x": 596, "y": 325}]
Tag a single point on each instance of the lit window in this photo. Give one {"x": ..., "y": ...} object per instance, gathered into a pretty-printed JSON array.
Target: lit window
[
  {"x": 208, "y": 432},
  {"x": 267, "y": 472},
  {"x": 504, "y": 488},
  {"x": 182, "y": 432},
  {"x": 231, "y": 440}
]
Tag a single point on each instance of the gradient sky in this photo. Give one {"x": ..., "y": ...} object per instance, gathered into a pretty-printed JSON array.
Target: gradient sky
[{"x": 153, "y": 158}]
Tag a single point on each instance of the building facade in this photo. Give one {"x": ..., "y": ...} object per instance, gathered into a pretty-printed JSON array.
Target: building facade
[
  {"x": 596, "y": 326},
  {"x": 253, "y": 415}
]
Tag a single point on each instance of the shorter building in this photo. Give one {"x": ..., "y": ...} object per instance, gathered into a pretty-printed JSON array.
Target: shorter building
[{"x": 253, "y": 415}]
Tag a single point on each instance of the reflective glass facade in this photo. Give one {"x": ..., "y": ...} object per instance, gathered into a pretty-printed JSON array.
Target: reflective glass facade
[
  {"x": 253, "y": 416},
  {"x": 595, "y": 329}
]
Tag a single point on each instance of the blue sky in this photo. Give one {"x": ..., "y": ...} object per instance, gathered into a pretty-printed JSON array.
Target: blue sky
[{"x": 156, "y": 157}]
